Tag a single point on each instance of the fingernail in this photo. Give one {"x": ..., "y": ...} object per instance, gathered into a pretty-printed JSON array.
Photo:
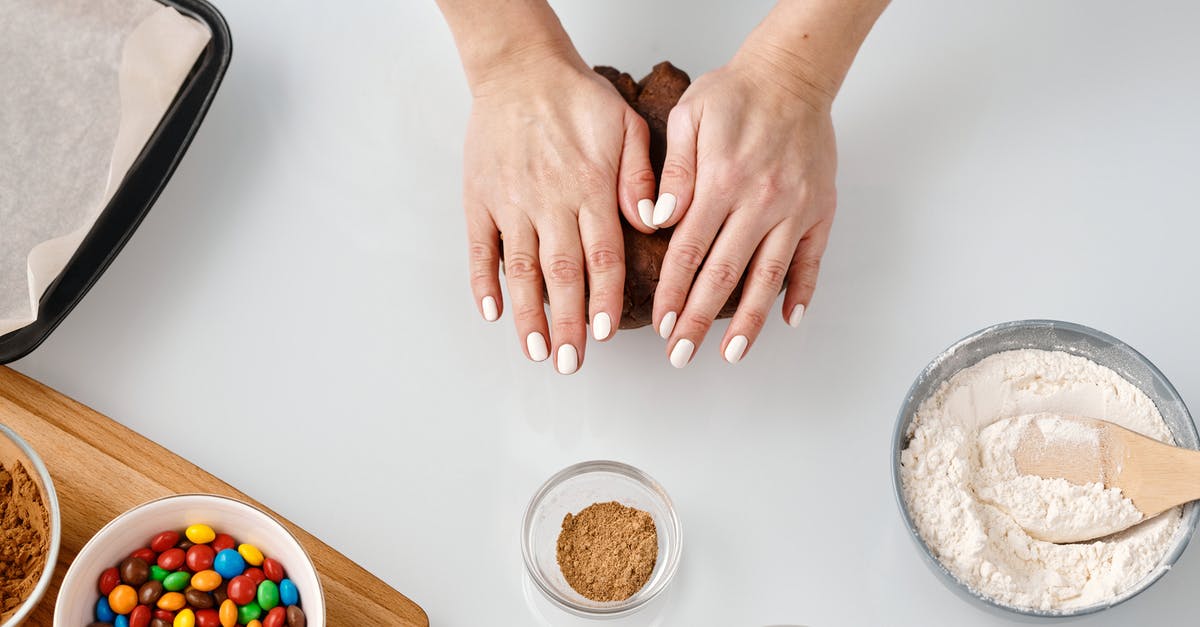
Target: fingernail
[
  {"x": 646, "y": 211},
  {"x": 490, "y": 311},
  {"x": 664, "y": 208},
  {"x": 667, "y": 325},
  {"x": 601, "y": 326},
  {"x": 536, "y": 344},
  {"x": 737, "y": 347},
  {"x": 797, "y": 314},
  {"x": 568, "y": 359},
  {"x": 682, "y": 353}
]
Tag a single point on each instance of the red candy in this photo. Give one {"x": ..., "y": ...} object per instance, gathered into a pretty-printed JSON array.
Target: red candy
[
  {"x": 109, "y": 579},
  {"x": 223, "y": 541},
  {"x": 172, "y": 559},
  {"x": 165, "y": 540},
  {"x": 200, "y": 557},
  {"x": 209, "y": 618},
  {"x": 256, "y": 574},
  {"x": 273, "y": 570},
  {"x": 242, "y": 589},
  {"x": 165, "y": 615},
  {"x": 277, "y": 617},
  {"x": 145, "y": 554},
  {"x": 140, "y": 616}
]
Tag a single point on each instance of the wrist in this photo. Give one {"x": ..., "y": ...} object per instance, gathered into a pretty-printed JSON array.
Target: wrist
[
  {"x": 775, "y": 63},
  {"x": 521, "y": 63}
]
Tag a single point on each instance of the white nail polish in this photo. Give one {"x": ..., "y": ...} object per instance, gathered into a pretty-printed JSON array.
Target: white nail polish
[
  {"x": 797, "y": 314},
  {"x": 601, "y": 326},
  {"x": 490, "y": 311},
  {"x": 664, "y": 208},
  {"x": 667, "y": 325},
  {"x": 736, "y": 348},
  {"x": 646, "y": 211},
  {"x": 536, "y": 344},
  {"x": 568, "y": 359},
  {"x": 682, "y": 353}
]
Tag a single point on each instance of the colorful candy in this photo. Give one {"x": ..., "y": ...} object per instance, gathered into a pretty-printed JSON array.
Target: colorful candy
[{"x": 197, "y": 578}]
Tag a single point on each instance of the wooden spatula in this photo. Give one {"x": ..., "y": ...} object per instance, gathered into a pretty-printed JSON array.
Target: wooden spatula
[{"x": 1155, "y": 476}]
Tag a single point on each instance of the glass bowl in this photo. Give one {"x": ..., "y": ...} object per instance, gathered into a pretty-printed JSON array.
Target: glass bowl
[
  {"x": 571, "y": 490},
  {"x": 14, "y": 449},
  {"x": 1071, "y": 338}
]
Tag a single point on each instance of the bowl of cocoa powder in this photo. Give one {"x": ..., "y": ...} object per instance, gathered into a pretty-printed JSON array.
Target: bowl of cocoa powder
[
  {"x": 29, "y": 529},
  {"x": 601, "y": 539}
]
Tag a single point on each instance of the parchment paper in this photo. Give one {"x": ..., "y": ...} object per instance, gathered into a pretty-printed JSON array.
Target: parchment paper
[{"x": 83, "y": 85}]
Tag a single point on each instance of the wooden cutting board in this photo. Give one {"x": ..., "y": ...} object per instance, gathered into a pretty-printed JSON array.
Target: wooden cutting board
[{"x": 76, "y": 443}]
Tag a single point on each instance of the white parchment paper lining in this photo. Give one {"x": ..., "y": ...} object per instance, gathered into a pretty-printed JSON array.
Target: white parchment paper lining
[{"x": 83, "y": 85}]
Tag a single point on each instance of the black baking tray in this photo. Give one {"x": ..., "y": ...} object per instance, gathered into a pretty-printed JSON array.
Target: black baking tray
[{"x": 138, "y": 191}]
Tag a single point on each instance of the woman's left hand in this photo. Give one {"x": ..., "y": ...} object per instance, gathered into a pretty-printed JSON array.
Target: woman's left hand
[{"x": 749, "y": 181}]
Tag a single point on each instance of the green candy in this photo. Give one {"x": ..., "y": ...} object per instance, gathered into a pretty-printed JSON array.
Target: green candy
[
  {"x": 158, "y": 573},
  {"x": 248, "y": 612},
  {"x": 268, "y": 595},
  {"x": 177, "y": 581}
]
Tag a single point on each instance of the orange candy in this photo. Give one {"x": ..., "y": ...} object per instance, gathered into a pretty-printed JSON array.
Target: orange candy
[
  {"x": 122, "y": 599},
  {"x": 254, "y": 623},
  {"x": 172, "y": 602},
  {"x": 206, "y": 580},
  {"x": 228, "y": 614}
]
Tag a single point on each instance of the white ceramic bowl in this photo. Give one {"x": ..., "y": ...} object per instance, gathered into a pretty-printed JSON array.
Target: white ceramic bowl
[
  {"x": 14, "y": 449},
  {"x": 133, "y": 529}
]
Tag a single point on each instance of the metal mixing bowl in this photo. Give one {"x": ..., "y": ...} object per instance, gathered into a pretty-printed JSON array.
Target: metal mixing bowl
[{"x": 1075, "y": 339}]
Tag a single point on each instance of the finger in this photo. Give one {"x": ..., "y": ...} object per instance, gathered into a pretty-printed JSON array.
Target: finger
[
  {"x": 562, "y": 267},
  {"x": 635, "y": 179},
  {"x": 524, "y": 276},
  {"x": 718, "y": 277},
  {"x": 483, "y": 246},
  {"x": 604, "y": 256},
  {"x": 764, "y": 280},
  {"x": 802, "y": 275},
  {"x": 679, "y": 168},
  {"x": 686, "y": 251}
]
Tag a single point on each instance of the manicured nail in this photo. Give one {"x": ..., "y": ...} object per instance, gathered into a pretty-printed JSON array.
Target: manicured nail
[
  {"x": 664, "y": 208},
  {"x": 536, "y": 344},
  {"x": 667, "y": 325},
  {"x": 568, "y": 359},
  {"x": 646, "y": 211},
  {"x": 682, "y": 353},
  {"x": 490, "y": 311},
  {"x": 797, "y": 314},
  {"x": 601, "y": 326},
  {"x": 736, "y": 348}
]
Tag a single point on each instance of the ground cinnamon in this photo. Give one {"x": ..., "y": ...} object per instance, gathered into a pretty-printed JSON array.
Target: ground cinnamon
[
  {"x": 607, "y": 551},
  {"x": 24, "y": 537}
]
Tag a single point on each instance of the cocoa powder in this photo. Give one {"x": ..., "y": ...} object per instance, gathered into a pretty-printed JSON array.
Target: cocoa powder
[
  {"x": 24, "y": 537},
  {"x": 607, "y": 551}
]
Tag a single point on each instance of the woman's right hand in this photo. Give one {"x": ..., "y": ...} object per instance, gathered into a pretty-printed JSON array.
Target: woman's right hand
[{"x": 552, "y": 150}]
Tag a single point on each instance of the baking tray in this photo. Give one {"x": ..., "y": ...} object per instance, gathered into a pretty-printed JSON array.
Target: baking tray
[{"x": 141, "y": 187}]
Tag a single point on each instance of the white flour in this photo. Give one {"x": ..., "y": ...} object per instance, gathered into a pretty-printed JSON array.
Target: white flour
[{"x": 968, "y": 514}]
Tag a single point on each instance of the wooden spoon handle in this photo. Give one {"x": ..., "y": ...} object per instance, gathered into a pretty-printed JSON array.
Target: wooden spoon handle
[{"x": 1159, "y": 476}]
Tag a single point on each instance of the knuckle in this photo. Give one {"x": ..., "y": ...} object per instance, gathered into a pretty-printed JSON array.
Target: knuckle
[
  {"x": 696, "y": 322},
  {"x": 805, "y": 271},
  {"x": 603, "y": 258},
  {"x": 753, "y": 318},
  {"x": 770, "y": 273},
  {"x": 722, "y": 275},
  {"x": 640, "y": 178},
  {"x": 565, "y": 324},
  {"x": 674, "y": 168},
  {"x": 520, "y": 267},
  {"x": 689, "y": 255},
  {"x": 727, "y": 176},
  {"x": 482, "y": 253},
  {"x": 590, "y": 181},
  {"x": 563, "y": 271},
  {"x": 529, "y": 312}
]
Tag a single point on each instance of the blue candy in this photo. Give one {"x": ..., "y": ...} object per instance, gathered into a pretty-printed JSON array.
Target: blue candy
[
  {"x": 104, "y": 613},
  {"x": 288, "y": 594},
  {"x": 229, "y": 564},
  {"x": 122, "y": 621}
]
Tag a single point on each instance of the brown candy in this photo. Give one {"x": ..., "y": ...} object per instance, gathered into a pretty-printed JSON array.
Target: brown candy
[
  {"x": 219, "y": 595},
  {"x": 158, "y": 622},
  {"x": 295, "y": 616},
  {"x": 198, "y": 599},
  {"x": 185, "y": 544},
  {"x": 134, "y": 571},
  {"x": 150, "y": 592}
]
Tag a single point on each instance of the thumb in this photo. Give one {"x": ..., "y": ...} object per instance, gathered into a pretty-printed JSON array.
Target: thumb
[
  {"x": 635, "y": 179},
  {"x": 679, "y": 168}
]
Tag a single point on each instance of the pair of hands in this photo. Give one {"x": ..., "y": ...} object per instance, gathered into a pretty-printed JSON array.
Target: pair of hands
[{"x": 554, "y": 155}]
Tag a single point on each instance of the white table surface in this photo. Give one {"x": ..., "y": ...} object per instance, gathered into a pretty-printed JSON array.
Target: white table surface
[{"x": 294, "y": 314}]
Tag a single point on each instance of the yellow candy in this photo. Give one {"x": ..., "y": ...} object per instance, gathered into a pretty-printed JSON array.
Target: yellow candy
[
  {"x": 206, "y": 580},
  {"x": 122, "y": 599},
  {"x": 251, "y": 554},
  {"x": 186, "y": 618},
  {"x": 200, "y": 534},
  {"x": 228, "y": 613},
  {"x": 172, "y": 602}
]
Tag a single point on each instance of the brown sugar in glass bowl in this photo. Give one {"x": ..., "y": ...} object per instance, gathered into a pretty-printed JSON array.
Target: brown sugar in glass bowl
[
  {"x": 570, "y": 492},
  {"x": 30, "y": 529}
]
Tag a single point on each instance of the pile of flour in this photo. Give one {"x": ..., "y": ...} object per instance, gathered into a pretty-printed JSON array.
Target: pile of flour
[{"x": 967, "y": 509}]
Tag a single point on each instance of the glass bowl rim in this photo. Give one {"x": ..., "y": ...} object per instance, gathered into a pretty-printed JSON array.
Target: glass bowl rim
[{"x": 51, "y": 497}]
